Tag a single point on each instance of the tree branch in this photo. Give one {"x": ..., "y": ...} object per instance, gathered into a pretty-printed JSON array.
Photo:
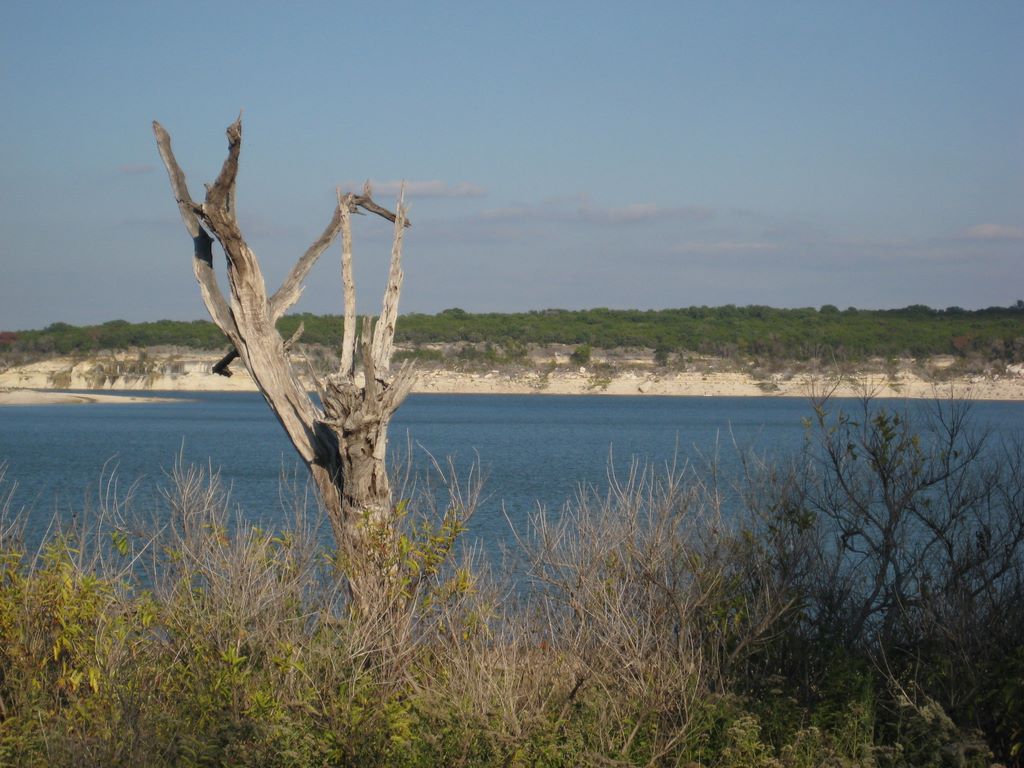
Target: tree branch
[
  {"x": 222, "y": 369},
  {"x": 384, "y": 333},
  {"x": 202, "y": 263},
  {"x": 367, "y": 204},
  {"x": 365, "y": 201},
  {"x": 294, "y": 338},
  {"x": 401, "y": 385},
  {"x": 291, "y": 289},
  {"x": 178, "y": 183},
  {"x": 222, "y": 193},
  {"x": 348, "y": 340},
  {"x": 248, "y": 288},
  {"x": 369, "y": 374}
]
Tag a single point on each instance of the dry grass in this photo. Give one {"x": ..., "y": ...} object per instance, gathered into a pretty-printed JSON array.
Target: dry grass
[{"x": 675, "y": 619}]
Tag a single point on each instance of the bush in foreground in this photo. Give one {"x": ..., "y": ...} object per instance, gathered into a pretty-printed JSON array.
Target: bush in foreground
[{"x": 861, "y": 605}]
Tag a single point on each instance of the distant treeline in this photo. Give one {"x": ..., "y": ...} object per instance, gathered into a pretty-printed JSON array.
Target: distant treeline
[{"x": 996, "y": 332}]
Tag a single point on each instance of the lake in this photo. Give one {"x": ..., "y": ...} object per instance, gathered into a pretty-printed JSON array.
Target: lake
[{"x": 531, "y": 449}]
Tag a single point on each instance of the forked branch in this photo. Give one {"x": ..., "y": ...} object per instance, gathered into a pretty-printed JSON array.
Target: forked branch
[{"x": 291, "y": 288}]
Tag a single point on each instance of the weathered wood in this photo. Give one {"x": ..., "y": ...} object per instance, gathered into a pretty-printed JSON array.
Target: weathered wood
[
  {"x": 202, "y": 263},
  {"x": 221, "y": 194},
  {"x": 343, "y": 445},
  {"x": 291, "y": 289},
  {"x": 348, "y": 337},
  {"x": 384, "y": 334},
  {"x": 222, "y": 367},
  {"x": 365, "y": 201}
]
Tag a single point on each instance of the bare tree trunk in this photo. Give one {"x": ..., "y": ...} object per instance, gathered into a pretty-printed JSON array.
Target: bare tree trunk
[{"x": 344, "y": 444}]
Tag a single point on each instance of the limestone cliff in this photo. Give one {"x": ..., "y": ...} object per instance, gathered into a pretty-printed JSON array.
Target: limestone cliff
[{"x": 191, "y": 371}]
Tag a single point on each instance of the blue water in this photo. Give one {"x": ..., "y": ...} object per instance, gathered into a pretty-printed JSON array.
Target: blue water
[{"x": 531, "y": 449}]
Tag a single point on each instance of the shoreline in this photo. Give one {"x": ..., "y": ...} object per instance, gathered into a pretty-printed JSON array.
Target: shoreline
[
  {"x": 623, "y": 384},
  {"x": 16, "y": 397},
  {"x": 89, "y": 378}
]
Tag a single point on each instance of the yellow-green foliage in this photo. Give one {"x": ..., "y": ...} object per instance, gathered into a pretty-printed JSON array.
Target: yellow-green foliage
[
  {"x": 642, "y": 628},
  {"x": 65, "y": 638}
]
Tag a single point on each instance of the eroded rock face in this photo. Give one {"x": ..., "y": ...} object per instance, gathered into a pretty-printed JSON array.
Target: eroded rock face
[
  {"x": 127, "y": 371},
  {"x": 191, "y": 371}
]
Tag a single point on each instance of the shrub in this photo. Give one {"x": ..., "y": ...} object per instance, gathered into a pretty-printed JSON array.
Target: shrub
[
  {"x": 581, "y": 355},
  {"x": 859, "y": 604}
]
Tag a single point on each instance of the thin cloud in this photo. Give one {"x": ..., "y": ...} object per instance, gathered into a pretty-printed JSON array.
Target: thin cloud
[
  {"x": 990, "y": 232},
  {"x": 727, "y": 246},
  {"x": 873, "y": 243},
  {"x": 593, "y": 214},
  {"x": 645, "y": 212},
  {"x": 431, "y": 188},
  {"x": 508, "y": 213},
  {"x": 136, "y": 169}
]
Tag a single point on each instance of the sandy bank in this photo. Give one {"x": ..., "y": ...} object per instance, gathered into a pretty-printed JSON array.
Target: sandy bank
[{"x": 35, "y": 397}]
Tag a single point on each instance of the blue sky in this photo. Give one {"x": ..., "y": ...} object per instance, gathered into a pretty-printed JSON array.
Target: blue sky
[{"x": 558, "y": 154}]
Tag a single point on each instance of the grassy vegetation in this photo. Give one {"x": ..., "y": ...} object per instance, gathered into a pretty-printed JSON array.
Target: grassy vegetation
[
  {"x": 861, "y": 604},
  {"x": 795, "y": 334}
]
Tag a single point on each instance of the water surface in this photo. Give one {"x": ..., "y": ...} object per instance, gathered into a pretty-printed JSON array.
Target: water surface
[{"x": 532, "y": 449}]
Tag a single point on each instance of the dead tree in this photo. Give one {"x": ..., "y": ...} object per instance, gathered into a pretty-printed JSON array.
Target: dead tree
[{"x": 343, "y": 443}]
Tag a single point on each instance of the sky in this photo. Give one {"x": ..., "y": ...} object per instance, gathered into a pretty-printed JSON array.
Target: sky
[{"x": 556, "y": 154}]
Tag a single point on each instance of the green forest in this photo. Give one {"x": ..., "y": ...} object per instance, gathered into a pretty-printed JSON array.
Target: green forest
[{"x": 796, "y": 334}]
